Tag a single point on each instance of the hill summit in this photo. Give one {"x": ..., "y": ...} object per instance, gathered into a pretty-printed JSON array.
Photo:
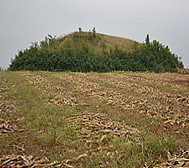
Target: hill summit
[{"x": 91, "y": 51}]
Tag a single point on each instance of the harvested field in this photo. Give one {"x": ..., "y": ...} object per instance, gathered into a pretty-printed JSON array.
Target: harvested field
[{"x": 50, "y": 119}]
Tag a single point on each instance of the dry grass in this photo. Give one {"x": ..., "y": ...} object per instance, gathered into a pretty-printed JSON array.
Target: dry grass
[
  {"x": 123, "y": 43},
  {"x": 109, "y": 41}
]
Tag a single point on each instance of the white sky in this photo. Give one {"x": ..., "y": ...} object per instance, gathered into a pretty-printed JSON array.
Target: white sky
[{"x": 26, "y": 21}]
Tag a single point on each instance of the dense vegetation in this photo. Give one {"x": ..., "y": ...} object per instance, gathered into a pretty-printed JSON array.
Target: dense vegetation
[{"x": 88, "y": 51}]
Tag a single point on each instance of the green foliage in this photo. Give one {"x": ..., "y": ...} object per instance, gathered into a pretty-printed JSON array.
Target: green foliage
[
  {"x": 94, "y": 32},
  {"x": 147, "y": 39},
  {"x": 78, "y": 54}
]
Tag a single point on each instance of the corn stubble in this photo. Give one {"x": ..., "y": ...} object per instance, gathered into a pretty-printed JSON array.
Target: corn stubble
[{"x": 101, "y": 106}]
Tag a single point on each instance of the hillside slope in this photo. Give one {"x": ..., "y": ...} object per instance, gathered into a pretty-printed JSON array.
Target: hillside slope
[
  {"x": 91, "y": 51},
  {"x": 97, "y": 43}
]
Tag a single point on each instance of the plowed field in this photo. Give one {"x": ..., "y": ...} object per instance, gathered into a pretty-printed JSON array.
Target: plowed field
[{"x": 94, "y": 119}]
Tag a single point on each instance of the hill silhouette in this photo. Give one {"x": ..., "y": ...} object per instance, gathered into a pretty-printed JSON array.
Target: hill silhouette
[{"x": 90, "y": 51}]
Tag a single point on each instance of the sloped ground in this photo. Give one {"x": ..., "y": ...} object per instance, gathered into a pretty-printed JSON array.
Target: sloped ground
[{"x": 94, "y": 120}]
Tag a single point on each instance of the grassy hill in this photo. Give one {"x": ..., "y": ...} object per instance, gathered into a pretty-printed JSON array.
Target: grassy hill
[
  {"x": 109, "y": 41},
  {"x": 91, "y": 51},
  {"x": 67, "y": 119}
]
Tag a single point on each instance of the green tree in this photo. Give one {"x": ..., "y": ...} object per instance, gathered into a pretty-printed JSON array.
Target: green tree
[
  {"x": 147, "y": 39},
  {"x": 94, "y": 32}
]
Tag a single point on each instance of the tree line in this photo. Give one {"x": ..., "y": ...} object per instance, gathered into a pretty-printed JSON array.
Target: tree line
[{"x": 77, "y": 55}]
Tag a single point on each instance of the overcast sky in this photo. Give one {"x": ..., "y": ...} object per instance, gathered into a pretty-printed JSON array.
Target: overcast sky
[{"x": 26, "y": 21}]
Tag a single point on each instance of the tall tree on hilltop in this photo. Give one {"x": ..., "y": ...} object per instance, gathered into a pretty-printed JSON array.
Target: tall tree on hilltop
[{"x": 147, "y": 39}]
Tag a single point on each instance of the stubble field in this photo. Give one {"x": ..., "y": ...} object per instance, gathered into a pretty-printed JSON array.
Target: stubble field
[{"x": 56, "y": 119}]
